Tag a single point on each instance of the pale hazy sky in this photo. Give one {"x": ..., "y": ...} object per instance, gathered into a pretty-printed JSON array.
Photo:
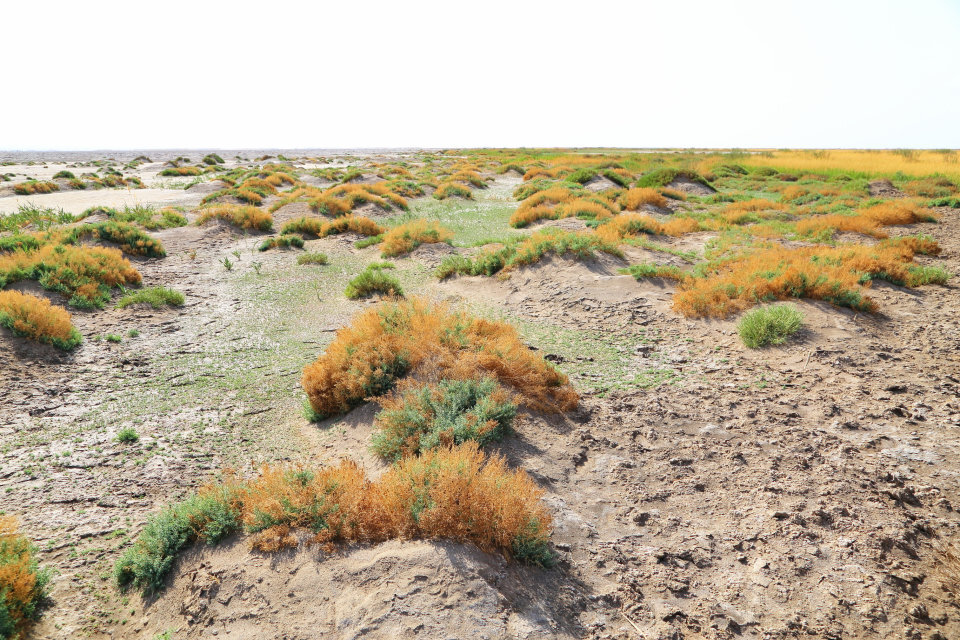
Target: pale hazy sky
[{"x": 167, "y": 73}]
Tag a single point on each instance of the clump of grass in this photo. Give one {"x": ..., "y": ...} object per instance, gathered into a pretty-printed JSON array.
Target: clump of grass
[
  {"x": 634, "y": 199},
  {"x": 212, "y": 159},
  {"x": 769, "y": 326},
  {"x": 127, "y": 435},
  {"x": 406, "y": 237},
  {"x": 282, "y": 242},
  {"x": 368, "y": 242},
  {"x": 244, "y": 217},
  {"x": 156, "y": 297},
  {"x": 30, "y": 216},
  {"x": 415, "y": 337},
  {"x": 131, "y": 240},
  {"x": 374, "y": 279},
  {"x": 313, "y": 258},
  {"x": 449, "y": 412},
  {"x": 457, "y": 494},
  {"x": 66, "y": 175},
  {"x": 37, "y": 319},
  {"x": 31, "y": 187},
  {"x": 953, "y": 203},
  {"x": 631, "y": 224},
  {"x": 452, "y": 190},
  {"x": 23, "y": 584}
]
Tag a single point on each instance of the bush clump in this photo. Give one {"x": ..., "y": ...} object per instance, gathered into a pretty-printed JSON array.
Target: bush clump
[
  {"x": 282, "y": 242},
  {"x": 374, "y": 279},
  {"x": 452, "y": 190},
  {"x": 31, "y": 187},
  {"x": 446, "y": 413},
  {"x": 406, "y": 237},
  {"x": 663, "y": 177},
  {"x": 450, "y": 493},
  {"x": 414, "y": 337},
  {"x": 244, "y": 217},
  {"x": 313, "y": 258},
  {"x": 321, "y": 228},
  {"x": 770, "y": 325},
  {"x": 23, "y": 584},
  {"x": 156, "y": 297},
  {"x": 37, "y": 319}
]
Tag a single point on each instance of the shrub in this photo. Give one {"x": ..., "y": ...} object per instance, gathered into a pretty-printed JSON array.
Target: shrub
[
  {"x": 282, "y": 241},
  {"x": 31, "y": 187},
  {"x": 180, "y": 171},
  {"x": 394, "y": 339},
  {"x": 771, "y": 325},
  {"x": 23, "y": 585},
  {"x": 244, "y": 217},
  {"x": 452, "y": 190},
  {"x": 457, "y": 494},
  {"x": 953, "y": 203},
  {"x": 834, "y": 274},
  {"x": 128, "y": 435},
  {"x": 212, "y": 159},
  {"x": 630, "y": 224},
  {"x": 406, "y": 237},
  {"x": 86, "y": 274},
  {"x": 640, "y": 271},
  {"x": 368, "y": 242},
  {"x": 374, "y": 280},
  {"x": 663, "y": 177},
  {"x": 67, "y": 175},
  {"x": 37, "y": 319},
  {"x": 130, "y": 239},
  {"x": 446, "y": 413},
  {"x": 312, "y": 258},
  {"x": 868, "y": 220},
  {"x": 321, "y": 228},
  {"x": 633, "y": 199},
  {"x": 156, "y": 297}
]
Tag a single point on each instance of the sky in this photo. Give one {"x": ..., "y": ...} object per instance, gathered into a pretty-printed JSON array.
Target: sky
[{"x": 231, "y": 75}]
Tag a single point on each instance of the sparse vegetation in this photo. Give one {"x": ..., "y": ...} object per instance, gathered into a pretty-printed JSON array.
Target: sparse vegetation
[
  {"x": 313, "y": 258},
  {"x": 244, "y": 217},
  {"x": 282, "y": 242},
  {"x": 406, "y": 237}
]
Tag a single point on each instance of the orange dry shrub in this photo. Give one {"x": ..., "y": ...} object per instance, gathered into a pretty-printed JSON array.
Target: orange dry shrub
[
  {"x": 834, "y": 274},
  {"x": 540, "y": 206},
  {"x": 450, "y": 493},
  {"x": 23, "y": 586},
  {"x": 673, "y": 194},
  {"x": 633, "y": 199},
  {"x": 748, "y": 210},
  {"x": 357, "y": 194},
  {"x": 36, "y": 319},
  {"x": 793, "y": 192},
  {"x": 279, "y": 178},
  {"x": 408, "y": 236},
  {"x": 86, "y": 274},
  {"x": 595, "y": 208},
  {"x": 555, "y": 172},
  {"x": 322, "y": 228},
  {"x": 414, "y": 337},
  {"x": 867, "y": 221},
  {"x": 631, "y": 224},
  {"x": 242, "y": 216}
]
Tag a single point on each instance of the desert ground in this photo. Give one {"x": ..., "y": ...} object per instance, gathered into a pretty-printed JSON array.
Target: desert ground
[{"x": 693, "y": 486}]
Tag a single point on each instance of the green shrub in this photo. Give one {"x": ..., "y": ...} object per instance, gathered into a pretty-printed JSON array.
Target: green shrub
[
  {"x": 313, "y": 258},
  {"x": 282, "y": 241},
  {"x": 212, "y": 159},
  {"x": 128, "y": 435},
  {"x": 770, "y": 325},
  {"x": 156, "y": 297},
  {"x": 64, "y": 174},
  {"x": 449, "y": 412},
  {"x": 374, "y": 280},
  {"x": 663, "y": 177}
]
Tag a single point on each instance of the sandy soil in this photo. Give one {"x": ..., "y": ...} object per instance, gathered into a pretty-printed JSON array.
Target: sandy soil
[{"x": 702, "y": 490}]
